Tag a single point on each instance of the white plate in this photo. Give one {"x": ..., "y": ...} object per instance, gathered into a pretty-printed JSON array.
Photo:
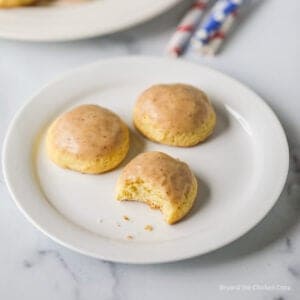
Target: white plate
[
  {"x": 241, "y": 169},
  {"x": 78, "y": 20}
]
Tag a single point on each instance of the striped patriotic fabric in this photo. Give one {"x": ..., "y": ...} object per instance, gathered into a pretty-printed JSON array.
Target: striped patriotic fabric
[
  {"x": 220, "y": 12},
  {"x": 216, "y": 41},
  {"x": 186, "y": 28}
]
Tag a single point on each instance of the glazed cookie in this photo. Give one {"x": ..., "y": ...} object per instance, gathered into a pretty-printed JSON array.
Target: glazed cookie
[
  {"x": 88, "y": 139},
  {"x": 174, "y": 114},
  {"x": 15, "y": 3},
  {"x": 160, "y": 181}
]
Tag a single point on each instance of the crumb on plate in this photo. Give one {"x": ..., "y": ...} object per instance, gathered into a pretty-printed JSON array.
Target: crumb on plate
[
  {"x": 129, "y": 237},
  {"x": 148, "y": 227},
  {"x": 126, "y": 218}
]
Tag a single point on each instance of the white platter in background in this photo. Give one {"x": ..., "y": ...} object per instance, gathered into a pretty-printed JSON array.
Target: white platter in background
[{"x": 70, "y": 21}]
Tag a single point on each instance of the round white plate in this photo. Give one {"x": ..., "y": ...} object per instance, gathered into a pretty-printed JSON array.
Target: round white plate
[
  {"x": 241, "y": 169},
  {"x": 69, "y": 21}
]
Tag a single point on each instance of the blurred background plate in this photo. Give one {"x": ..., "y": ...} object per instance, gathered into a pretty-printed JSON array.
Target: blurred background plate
[{"x": 69, "y": 20}]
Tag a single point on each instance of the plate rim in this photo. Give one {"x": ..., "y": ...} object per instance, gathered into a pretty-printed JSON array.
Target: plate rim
[
  {"x": 92, "y": 32},
  {"x": 276, "y": 194}
]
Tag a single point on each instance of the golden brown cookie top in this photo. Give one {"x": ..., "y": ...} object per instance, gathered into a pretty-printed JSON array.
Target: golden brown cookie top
[
  {"x": 172, "y": 176},
  {"x": 88, "y": 131},
  {"x": 15, "y": 3},
  {"x": 177, "y": 108}
]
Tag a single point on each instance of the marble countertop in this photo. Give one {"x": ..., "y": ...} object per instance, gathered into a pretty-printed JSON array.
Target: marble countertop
[{"x": 264, "y": 264}]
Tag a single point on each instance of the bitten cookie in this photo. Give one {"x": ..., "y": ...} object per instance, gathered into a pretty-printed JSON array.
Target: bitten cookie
[
  {"x": 88, "y": 139},
  {"x": 174, "y": 114},
  {"x": 160, "y": 181}
]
